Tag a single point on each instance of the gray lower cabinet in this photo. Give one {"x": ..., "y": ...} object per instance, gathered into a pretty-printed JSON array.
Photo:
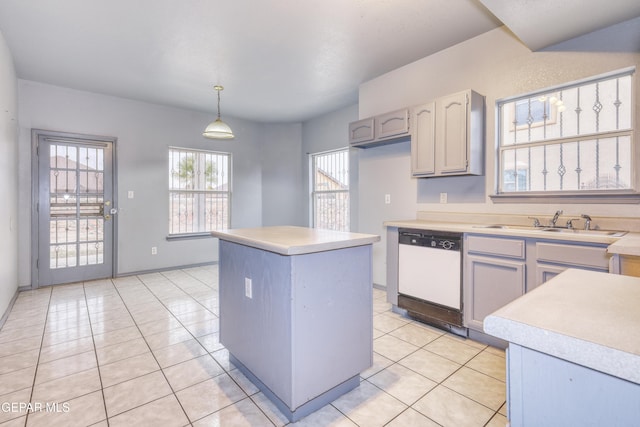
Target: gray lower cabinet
[
  {"x": 495, "y": 275},
  {"x": 553, "y": 258},
  {"x": 500, "y": 269}
]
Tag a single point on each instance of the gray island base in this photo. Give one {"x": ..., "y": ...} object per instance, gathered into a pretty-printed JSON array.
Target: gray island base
[{"x": 296, "y": 312}]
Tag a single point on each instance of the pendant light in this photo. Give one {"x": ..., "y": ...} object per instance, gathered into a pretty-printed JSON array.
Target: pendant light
[{"x": 218, "y": 129}]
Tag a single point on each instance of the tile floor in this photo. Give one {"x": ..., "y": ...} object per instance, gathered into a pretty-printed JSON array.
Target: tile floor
[{"x": 144, "y": 350}]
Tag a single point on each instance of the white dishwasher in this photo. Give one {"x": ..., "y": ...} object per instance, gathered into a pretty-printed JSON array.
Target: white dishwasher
[{"x": 430, "y": 277}]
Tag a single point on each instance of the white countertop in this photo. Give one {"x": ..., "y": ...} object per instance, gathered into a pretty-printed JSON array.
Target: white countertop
[
  {"x": 585, "y": 317},
  {"x": 632, "y": 248},
  {"x": 290, "y": 240}
]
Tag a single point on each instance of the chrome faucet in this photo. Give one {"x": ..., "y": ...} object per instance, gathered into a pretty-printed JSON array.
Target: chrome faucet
[
  {"x": 555, "y": 218},
  {"x": 587, "y": 221}
]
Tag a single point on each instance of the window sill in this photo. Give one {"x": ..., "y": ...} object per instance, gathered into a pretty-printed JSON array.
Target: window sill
[
  {"x": 610, "y": 197},
  {"x": 189, "y": 236}
]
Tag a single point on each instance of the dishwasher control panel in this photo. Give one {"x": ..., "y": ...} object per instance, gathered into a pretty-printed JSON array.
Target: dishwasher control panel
[{"x": 429, "y": 239}]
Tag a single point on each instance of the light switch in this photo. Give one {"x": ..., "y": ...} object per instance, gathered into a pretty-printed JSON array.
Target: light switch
[
  {"x": 443, "y": 197},
  {"x": 248, "y": 288},
  {"x": 130, "y": 194},
  {"x": 387, "y": 199}
]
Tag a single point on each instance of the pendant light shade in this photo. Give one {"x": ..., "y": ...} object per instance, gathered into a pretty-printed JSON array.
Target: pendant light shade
[{"x": 218, "y": 129}]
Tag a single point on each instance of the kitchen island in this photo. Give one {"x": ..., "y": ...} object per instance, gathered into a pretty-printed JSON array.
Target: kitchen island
[
  {"x": 296, "y": 311},
  {"x": 574, "y": 351}
]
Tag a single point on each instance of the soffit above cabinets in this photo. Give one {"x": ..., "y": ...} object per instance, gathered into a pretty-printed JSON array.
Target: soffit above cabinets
[{"x": 542, "y": 23}]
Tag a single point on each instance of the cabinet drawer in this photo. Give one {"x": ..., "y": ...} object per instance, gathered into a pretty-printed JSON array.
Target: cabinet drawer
[
  {"x": 583, "y": 256},
  {"x": 513, "y": 248}
]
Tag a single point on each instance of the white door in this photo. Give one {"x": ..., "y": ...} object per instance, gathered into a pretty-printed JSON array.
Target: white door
[{"x": 75, "y": 209}]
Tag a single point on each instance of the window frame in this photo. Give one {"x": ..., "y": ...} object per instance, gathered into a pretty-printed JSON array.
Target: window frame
[
  {"x": 314, "y": 192},
  {"x": 623, "y": 196},
  {"x": 172, "y": 191}
]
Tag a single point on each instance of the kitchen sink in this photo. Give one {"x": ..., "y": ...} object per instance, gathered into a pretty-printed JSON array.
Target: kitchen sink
[{"x": 610, "y": 233}]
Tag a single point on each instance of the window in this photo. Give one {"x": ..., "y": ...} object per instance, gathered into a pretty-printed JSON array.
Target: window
[
  {"x": 570, "y": 139},
  {"x": 330, "y": 190},
  {"x": 199, "y": 191}
]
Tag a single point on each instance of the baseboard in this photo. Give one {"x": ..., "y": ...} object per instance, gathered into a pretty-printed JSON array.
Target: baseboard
[
  {"x": 160, "y": 270},
  {"x": 5, "y": 315}
]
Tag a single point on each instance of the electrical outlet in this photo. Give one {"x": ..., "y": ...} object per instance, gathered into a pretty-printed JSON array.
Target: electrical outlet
[
  {"x": 154, "y": 250},
  {"x": 443, "y": 197},
  {"x": 248, "y": 288},
  {"x": 387, "y": 199}
]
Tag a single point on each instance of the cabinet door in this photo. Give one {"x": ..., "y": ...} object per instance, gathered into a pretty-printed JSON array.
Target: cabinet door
[
  {"x": 392, "y": 124},
  {"x": 491, "y": 283},
  {"x": 423, "y": 136},
  {"x": 545, "y": 273},
  {"x": 361, "y": 131},
  {"x": 451, "y": 131}
]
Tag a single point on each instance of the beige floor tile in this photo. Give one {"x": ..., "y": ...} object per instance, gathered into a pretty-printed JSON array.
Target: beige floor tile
[
  {"x": 20, "y": 345},
  {"x": 177, "y": 353},
  {"x": 123, "y": 350},
  {"x": 196, "y": 316},
  {"x": 205, "y": 327},
  {"x": 126, "y": 369},
  {"x": 430, "y": 365},
  {"x": 11, "y": 408},
  {"x": 269, "y": 408},
  {"x": 477, "y": 386},
  {"x": 393, "y": 348},
  {"x": 82, "y": 411},
  {"x": 193, "y": 371},
  {"x": 211, "y": 342},
  {"x": 448, "y": 408},
  {"x": 495, "y": 351},
  {"x": 245, "y": 384},
  {"x": 165, "y": 412},
  {"x": 379, "y": 363},
  {"x": 416, "y": 334},
  {"x": 157, "y": 326},
  {"x": 167, "y": 338},
  {"x": 155, "y": 315},
  {"x": 402, "y": 383},
  {"x": 498, "y": 420},
  {"x": 209, "y": 396},
  {"x": 16, "y": 422},
  {"x": 138, "y": 308},
  {"x": 490, "y": 364},
  {"x": 452, "y": 349},
  {"x": 367, "y": 405},
  {"x": 115, "y": 337},
  {"x": 65, "y": 366},
  {"x": 71, "y": 334},
  {"x": 117, "y": 313},
  {"x": 136, "y": 392},
  {"x": 19, "y": 334},
  {"x": 412, "y": 418},
  {"x": 66, "y": 349},
  {"x": 68, "y": 387},
  {"x": 112, "y": 325},
  {"x": 63, "y": 325},
  {"x": 386, "y": 322},
  {"x": 325, "y": 416},
  {"x": 241, "y": 414},
  {"x": 35, "y": 321},
  {"x": 18, "y": 361},
  {"x": 17, "y": 380}
]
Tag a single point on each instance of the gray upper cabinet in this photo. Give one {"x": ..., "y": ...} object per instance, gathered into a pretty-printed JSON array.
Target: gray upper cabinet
[
  {"x": 379, "y": 130},
  {"x": 448, "y": 136},
  {"x": 361, "y": 131}
]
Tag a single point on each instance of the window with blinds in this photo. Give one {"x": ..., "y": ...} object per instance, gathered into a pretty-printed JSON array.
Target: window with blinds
[
  {"x": 330, "y": 190},
  {"x": 199, "y": 191},
  {"x": 569, "y": 139}
]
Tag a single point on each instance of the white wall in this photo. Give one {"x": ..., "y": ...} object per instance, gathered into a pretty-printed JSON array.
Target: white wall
[
  {"x": 281, "y": 176},
  {"x": 8, "y": 178},
  {"x": 497, "y": 65},
  {"x": 144, "y": 132}
]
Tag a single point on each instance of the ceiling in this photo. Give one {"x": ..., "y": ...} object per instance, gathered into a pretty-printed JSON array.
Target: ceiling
[{"x": 279, "y": 60}]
